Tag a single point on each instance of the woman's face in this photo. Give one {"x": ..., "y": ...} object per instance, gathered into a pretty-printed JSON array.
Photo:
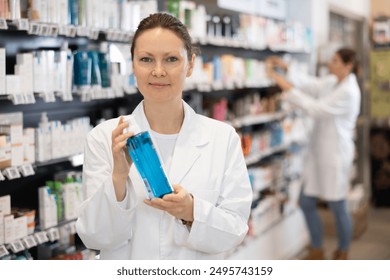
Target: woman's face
[
  {"x": 338, "y": 67},
  {"x": 161, "y": 65}
]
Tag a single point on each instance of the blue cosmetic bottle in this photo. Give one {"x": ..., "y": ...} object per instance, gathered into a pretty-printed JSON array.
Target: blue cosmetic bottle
[{"x": 145, "y": 157}]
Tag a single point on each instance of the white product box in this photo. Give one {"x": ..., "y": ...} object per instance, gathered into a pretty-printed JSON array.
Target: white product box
[
  {"x": 9, "y": 229},
  {"x": 17, "y": 153},
  {"x": 15, "y": 131},
  {"x": 47, "y": 208},
  {"x": 20, "y": 227},
  {"x": 1, "y": 228},
  {"x": 24, "y": 68},
  {"x": 5, "y": 152},
  {"x": 62, "y": 8},
  {"x": 5, "y": 204},
  {"x": 3, "y": 89},
  {"x": 29, "y": 145},
  {"x": 13, "y": 84}
]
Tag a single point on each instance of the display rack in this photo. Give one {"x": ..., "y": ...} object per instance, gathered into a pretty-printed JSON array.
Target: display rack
[{"x": 24, "y": 34}]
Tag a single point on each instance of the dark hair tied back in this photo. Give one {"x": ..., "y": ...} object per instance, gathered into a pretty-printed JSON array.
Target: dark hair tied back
[
  {"x": 349, "y": 56},
  {"x": 166, "y": 21}
]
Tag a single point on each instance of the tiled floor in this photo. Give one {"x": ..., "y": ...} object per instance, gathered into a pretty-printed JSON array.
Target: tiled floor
[{"x": 373, "y": 244}]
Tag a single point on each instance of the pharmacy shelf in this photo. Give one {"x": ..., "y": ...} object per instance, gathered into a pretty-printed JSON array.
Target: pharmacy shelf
[
  {"x": 16, "y": 172},
  {"x": 258, "y": 119},
  {"x": 286, "y": 237},
  {"x": 280, "y": 183},
  {"x": 256, "y": 157},
  {"x": 104, "y": 94},
  {"x": 75, "y": 160},
  {"x": 285, "y": 233},
  {"x": 54, "y": 30},
  {"x": 235, "y": 43},
  {"x": 38, "y": 237}
]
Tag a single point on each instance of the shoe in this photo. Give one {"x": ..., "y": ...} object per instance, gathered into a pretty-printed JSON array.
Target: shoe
[
  {"x": 315, "y": 254},
  {"x": 340, "y": 255}
]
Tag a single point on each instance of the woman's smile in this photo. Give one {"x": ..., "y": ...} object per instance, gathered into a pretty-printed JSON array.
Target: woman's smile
[{"x": 159, "y": 85}]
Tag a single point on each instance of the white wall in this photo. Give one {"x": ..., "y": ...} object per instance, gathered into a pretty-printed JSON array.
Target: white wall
[
  {"x": 319, "y": 19},
  {"x": 358, "y": 9}
]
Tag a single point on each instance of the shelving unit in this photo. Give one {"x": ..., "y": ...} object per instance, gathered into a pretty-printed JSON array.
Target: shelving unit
[
  {"x": 38, "y": 237},
  {"x": 287, "y": 230},
  {"x": 379, "y": 124}
]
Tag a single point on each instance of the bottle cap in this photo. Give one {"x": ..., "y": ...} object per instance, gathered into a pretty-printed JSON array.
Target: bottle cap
[{"x": 133, "y": 126}]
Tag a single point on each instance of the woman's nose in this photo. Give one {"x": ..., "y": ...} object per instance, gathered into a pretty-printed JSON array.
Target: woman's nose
[{"x": 159, "y": 71}]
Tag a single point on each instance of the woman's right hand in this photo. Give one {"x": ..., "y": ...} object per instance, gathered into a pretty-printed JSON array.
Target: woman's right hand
[
  {"x": 122, "y": 160},
  {"x": 276, "y": 61}
]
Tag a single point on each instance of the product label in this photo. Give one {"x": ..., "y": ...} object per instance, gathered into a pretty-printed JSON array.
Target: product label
[{"x": 3, "y": 251}]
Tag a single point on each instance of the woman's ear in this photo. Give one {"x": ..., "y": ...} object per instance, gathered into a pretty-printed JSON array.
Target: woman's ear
[
  {"x": 191, "y": 64},
  {"x": 349, "y": 67}
]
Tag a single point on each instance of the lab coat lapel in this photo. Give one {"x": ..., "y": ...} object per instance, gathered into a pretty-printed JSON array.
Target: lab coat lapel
[
  {"x": 139, "y": 115},
  {"x": 188, "y": 145}
]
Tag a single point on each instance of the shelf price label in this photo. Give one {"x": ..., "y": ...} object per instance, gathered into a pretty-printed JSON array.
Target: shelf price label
[
  {"x": 3, "y": 251},
  {"x": 109, "y": 34},
  {"x": 26, "y": 170},
  {"x": 48, "y": 97},
  {"x": 41, "y": 237},
  {"x": 11, "y": 173},
  {"x": 29, "y": 242},
  {"x": 82, "y": 31},
  {"x": 3, "y": 24},
  {"x": 63, "y": 30},
  {"x": 67, "y": 96},
  {"x": 54, "y": 30},
  {"x": 114, "y": 35},
  {"x": 44, "y": 30},
  {"x": 93, "y": 34},
  {"x": 17, "y": 99},
  {"x": 127, "y": 37},
  {"x": 29, "y": 98},
  {"x": 34, "y": 28},
  {"x": 122, "y": 36},
  {"x": 71, "y": 31},
  {"x": 53, "y": 234},
  {"x": 21, "y": 23},
  {"x": 16, "y": 246},
  {"x": 72, "y": 228}
]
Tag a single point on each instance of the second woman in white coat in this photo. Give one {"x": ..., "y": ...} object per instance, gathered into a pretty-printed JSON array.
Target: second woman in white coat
[
  {"x": 207, "y": 214},
  {"x": 333, "y": 103}
]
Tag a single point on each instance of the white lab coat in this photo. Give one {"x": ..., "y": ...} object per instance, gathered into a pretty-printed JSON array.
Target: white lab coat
[
  {"x": 207, "y": 161},
  {"x": 334, "y": 107}
]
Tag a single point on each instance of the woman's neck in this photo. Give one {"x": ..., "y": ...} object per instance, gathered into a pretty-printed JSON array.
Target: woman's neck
[
  {"x": 341, "y": 77},
  {"x": 165, "y": 118}
]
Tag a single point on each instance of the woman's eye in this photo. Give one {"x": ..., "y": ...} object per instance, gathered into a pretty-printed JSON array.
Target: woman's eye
[
  {"x": 172, "y": 59},
  {"x": 146, "y": 59}
]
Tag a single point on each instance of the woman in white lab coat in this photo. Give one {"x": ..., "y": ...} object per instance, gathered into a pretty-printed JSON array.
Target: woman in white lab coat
[
  {"x": 333, "y": 102},
  {"x": 207, "y": 214}
]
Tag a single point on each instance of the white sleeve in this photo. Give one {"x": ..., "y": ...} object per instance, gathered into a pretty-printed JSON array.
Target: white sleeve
[
  {"x": 103, "y": 222},
  {"x": 330, "y": 105},
  {"x": 219, "y": 228},
  {"x": 308, "y": 84}
]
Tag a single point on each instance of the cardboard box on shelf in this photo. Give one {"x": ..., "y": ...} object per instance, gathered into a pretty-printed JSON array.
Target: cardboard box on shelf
[{"x": 5, "y": 152}]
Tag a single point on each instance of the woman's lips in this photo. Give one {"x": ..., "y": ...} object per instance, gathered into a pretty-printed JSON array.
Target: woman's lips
[{"x": 158, "y": 85}]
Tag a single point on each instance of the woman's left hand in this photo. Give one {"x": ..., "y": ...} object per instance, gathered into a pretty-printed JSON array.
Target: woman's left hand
[{"x": 179, "y": 204}]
